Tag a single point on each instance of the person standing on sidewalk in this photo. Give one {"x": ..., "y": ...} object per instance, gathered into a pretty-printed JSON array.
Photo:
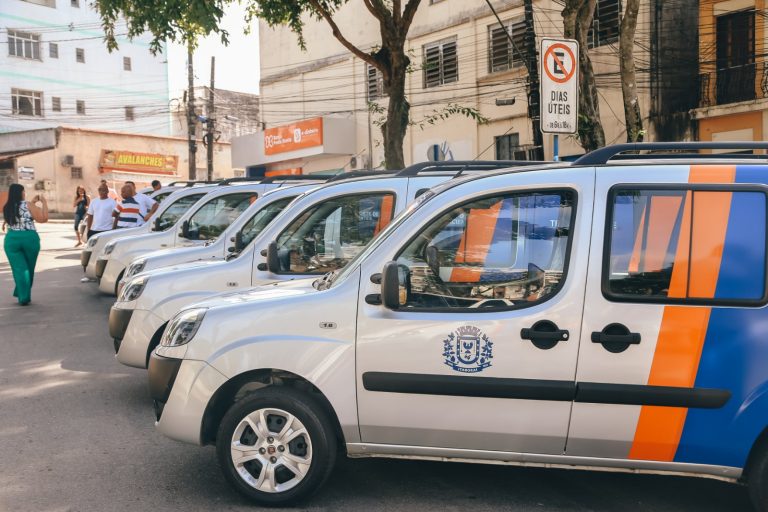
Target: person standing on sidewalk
[
  {"x": 22, "y": 243},
  {"x": 99, "y": 215},
  {"x": 148, "y": 205},
  {"x": 128, "y": 213},
  {"x": 80, "y": 204}
]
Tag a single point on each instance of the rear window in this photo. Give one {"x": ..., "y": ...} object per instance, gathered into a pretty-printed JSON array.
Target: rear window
[{"x": 697, "y": 245}]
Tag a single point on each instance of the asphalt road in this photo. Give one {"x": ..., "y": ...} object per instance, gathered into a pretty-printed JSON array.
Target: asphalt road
[{"x": 77, "y": 434}]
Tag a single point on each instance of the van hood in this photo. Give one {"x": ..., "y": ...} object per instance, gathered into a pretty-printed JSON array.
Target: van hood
[
  {"x": 181, "y": 267},
  {"x": 271, "y": 291}
]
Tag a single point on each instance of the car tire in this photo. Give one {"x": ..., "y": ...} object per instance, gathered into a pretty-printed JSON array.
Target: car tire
[
  {"x": 116, "y": 343},
  {"x": 757, "y": 479},
  {"x": 117, "y": 283},
  {"x": 261, "y": 432}
]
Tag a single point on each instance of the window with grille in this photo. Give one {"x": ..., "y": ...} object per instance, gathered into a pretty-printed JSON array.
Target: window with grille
[
  {"x": 605, "y": 25},
  {"x": 75, "y": 3},
  {"x": 507, "y": 146},
  {"x": 80, "y": 107},
  {"x": 375, "y": 81},
  {"x": 56, "y": 104},
  {"x": 53, "y": 50},
  {"x": 76, "y": 173},
  {"x": 79, "y": 55},
  {"x": 126, "y": 63},
  {"x": 129, "y": 114},
  {"x": 502, "y": 54},
  {"x": 24, "y": 44},
  {"x": 26, "y": 103},
  {"x": 441, "y": 63}
]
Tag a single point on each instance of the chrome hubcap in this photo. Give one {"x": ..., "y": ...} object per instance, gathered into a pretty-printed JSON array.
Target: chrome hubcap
[{"x": 271, "y": 450}]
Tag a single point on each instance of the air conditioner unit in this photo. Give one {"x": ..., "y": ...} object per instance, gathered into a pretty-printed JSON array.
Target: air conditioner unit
[{"x": 68, "y": 160}]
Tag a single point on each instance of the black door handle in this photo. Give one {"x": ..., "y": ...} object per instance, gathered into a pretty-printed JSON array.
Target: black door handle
[
  {"x": 616, "y": 338},
  {"x": 544, "y": 334}
]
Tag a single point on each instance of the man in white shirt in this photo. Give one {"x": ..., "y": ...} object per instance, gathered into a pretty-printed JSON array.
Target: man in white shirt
[
  {"x": 146, "y": 203},
  {"x": 99, "y": 215}
]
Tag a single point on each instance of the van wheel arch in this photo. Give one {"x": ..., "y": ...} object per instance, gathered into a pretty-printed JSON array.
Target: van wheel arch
[
  {"x": 245, "y": 384},
  {"x": 154, "y": 342},
  {"x": 756, "y": 472}
]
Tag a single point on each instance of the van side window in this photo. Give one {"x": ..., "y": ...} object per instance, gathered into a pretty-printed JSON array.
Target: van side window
[
  {"x": 208, "y": 222},
  {"x": 697, "y": 246},
  {"x": 176, "y": 210},
  {"x": 327, "y": 236},
  {"x": 259, "y": 221},
  {"x": 503, "y": 252}
]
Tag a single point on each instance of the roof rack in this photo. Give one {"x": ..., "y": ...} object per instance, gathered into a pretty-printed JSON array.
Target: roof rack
[
  {"x": 297, "y": 177},
  {"x": 463, "y": 165},
  {"x": 189, "y": 183},
  {"x": 359, "y": 174},
  {"x": 603, "y": 155}
]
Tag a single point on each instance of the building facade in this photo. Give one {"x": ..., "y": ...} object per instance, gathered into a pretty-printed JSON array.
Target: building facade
[
  {"x": 461, "y": 56},
  {"x": 55, "y": 161},
  {"x": 235, "y": 113},
  {"x": 55, "y": 70},
  {"x": 733, "y": 71}
]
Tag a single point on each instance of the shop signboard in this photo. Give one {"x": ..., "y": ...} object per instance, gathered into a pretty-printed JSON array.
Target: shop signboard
[
  {"x": 142, "y": 163},
  {"x": 294, "y": 136}
]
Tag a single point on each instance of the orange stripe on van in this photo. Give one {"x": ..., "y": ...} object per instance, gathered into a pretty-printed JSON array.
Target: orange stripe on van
[
  {"x": 385, "y": 215},
  {"x": 684, "y": 328}
]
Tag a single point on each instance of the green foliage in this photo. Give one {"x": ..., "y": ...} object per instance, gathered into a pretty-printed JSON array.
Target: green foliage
[{"x": 450, "y": 110}]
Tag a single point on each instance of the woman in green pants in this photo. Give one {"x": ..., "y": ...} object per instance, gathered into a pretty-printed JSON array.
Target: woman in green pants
[{"x": 22, "y": 243}]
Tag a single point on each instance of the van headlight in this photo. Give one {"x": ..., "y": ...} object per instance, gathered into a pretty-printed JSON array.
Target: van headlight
[
  {"x": 135, "y": 268},
  {"x": 133, "y": 289},
  {"x": 92, "y": 242},
  {"x": 183, "y": 327},
  {"x": 109, "y": 248}
]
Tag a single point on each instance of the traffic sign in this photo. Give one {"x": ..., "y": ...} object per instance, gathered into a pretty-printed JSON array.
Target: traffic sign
[{"x": 559, "y": 85}]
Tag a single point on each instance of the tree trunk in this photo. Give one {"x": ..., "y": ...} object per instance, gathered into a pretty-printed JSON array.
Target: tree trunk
[
  {"x": 398, "y": 110},
  {"x": 577, "y": 19},
  {"x": 632, "y": 118}
]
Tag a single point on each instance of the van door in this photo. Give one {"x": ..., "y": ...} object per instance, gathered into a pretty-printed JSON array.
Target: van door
[
  {"x": 482, "y": 353},
  {"x": 672, "y": 359}
]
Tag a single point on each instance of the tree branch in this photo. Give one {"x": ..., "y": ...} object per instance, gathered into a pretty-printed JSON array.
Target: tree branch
[
  {"x": 408, "y": 14},
  {"x": 396, "y": 11},
  {"x": 366, "y": 57}
]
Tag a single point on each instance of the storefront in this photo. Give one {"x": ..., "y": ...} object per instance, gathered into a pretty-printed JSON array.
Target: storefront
[{"x": 307, "y": 146}]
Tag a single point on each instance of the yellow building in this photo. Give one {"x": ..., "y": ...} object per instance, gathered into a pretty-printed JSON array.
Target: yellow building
[{"x": 733, "y": 71}]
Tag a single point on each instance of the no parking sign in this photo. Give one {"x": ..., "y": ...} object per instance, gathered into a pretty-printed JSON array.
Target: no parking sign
[{"x": 559, "y": 85}]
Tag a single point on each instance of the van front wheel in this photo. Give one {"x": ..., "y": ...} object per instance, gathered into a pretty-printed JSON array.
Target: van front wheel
[
  {"x": 757, "y": 479},
  {"x": 276, "y": 446}
]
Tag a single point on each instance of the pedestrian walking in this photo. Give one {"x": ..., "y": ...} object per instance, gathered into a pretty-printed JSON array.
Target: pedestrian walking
[
  {"x": 80, "y": 204},
  {"x": 22, "y": 243},
  {"x": 99, "y": 215},
  {"x": 148, "y": 204},
  {"x": 128, "y": 213}
]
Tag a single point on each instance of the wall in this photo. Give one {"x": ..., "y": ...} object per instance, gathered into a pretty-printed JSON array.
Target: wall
[
  {"x": 86, "y": 145},
  {"x": 326, "y": 80},
  {"x": 101, "y": 81}
]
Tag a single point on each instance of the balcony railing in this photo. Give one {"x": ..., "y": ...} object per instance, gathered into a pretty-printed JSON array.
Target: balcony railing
[{"x": 734, "y": 84}]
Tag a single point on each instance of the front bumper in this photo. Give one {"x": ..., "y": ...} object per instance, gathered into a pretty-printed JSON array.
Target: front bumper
[
  {"x": 141, "y": 328},
  {"x": 118, "y": 322},
  {"x": 181, "y": 390},
  {"x": 110, "y": 276},
  {"x": 85, "y": 257},
  {"x": 101, "y": 266}
]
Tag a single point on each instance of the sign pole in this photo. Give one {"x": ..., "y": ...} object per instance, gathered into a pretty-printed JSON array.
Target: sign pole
[{"x": 556, "y": 147}]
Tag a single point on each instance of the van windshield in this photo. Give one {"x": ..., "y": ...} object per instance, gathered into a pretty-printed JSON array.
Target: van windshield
[
  {"x": 262, "y": 218},
  {"x": 174, "y": 212}
]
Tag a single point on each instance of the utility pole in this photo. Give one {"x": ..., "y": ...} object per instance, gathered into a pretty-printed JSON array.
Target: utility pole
[
  {"x": 534, "y": 96},
  {"x": 210, "y": 122},
  {"x": 191, "y": 116}
]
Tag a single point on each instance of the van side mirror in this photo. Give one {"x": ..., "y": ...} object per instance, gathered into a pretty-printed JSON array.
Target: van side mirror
[
  {"x": 273, "y": 261},
  {"x": 185, "y": 229},
  {"x": 433, "y": 261},
  {"x": 156, "y": 225},
  {"x": 238, "y": 241},
  {"x": 395, "y": 285}
]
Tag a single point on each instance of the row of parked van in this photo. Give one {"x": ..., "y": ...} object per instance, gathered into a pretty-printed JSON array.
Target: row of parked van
[{"x": 606, "y": 314}]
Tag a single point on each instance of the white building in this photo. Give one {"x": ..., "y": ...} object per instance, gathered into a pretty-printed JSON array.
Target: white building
[{"x": 55, "y": 70}]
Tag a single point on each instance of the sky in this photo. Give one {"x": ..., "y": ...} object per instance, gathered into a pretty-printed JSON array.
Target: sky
[{"x": 237, "y": 65}]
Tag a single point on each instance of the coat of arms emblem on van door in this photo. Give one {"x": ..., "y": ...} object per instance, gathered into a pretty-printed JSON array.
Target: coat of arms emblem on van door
[{"x": 468, "y": 350}]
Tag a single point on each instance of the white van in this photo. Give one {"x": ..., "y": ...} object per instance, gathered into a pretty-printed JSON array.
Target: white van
[
  {"x": 320, "y": 232},
  {"x": 172, "y": 206},
  {"x": 199, "y": 225},
  {"x": 610, "y": 315}
]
